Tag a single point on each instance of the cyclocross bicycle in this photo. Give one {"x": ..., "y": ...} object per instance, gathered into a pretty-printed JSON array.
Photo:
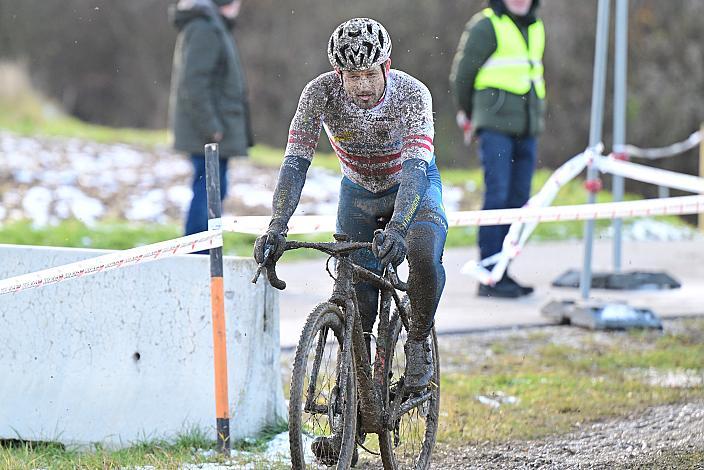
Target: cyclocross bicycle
[{"x": 338, "y": 396}]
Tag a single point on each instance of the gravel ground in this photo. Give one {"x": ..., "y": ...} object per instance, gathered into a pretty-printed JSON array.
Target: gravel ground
[
  {"x": 662, "y": 437},
  {"x": 668, "y": 436}
]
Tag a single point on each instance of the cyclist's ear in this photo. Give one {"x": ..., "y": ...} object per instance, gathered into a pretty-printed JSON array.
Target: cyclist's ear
[{"x": 387, "y": 66}]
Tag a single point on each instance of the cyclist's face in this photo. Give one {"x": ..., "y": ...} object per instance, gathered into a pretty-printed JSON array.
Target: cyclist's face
[{"x": 364, "y": 87}]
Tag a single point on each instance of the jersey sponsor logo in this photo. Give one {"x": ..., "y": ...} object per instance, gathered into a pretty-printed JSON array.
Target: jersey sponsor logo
[{"x": 344, "y": 136}]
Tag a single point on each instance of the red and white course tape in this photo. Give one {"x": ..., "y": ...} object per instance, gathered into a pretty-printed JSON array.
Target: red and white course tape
[{"x": 143, "y": 254}]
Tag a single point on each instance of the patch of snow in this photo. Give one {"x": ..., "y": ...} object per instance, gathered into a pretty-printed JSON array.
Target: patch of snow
[
  {"x": 655, "y": 230},
  {"x": 496, "y": 399},
  {"x": 36, "y": 203},
  {"x": 252, "y": 195},
  {"x": 79, "y": 205},
  {"x": 451, "y": 197},
  {"x": 181, "y": 196},
  {"x": 149, "y": 206},
  {"x": 678, "y": 378}
]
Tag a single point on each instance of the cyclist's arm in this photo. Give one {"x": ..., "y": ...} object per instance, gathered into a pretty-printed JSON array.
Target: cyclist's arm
[
  {"x": 414, "y": 184},
  {"x": 292, "y": 177},
  {"x": 302, "y": 140},
  {"x": 416, "y": 153}
]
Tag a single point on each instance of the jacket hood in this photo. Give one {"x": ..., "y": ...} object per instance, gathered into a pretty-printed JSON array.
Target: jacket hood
[
  {"x": 187, "y": 10},
  {"x": 499, "y": 8}
]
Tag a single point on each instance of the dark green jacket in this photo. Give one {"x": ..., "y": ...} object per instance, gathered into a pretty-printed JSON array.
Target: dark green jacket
[
  {"x": 492, "y": 108},
  {"x": 208, "y": 90}
]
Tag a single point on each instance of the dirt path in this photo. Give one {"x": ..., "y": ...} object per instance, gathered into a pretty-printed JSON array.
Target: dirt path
[{"x": 669, "y": 436}]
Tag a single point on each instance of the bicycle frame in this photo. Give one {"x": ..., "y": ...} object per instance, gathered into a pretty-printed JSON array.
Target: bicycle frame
[{"x": 371, "y": 380}]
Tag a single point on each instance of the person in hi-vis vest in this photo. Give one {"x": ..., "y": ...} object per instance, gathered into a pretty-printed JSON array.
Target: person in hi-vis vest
[{"x": 497, "y": 78}]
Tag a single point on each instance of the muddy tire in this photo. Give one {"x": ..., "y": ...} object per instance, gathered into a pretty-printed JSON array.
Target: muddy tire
[
  {"x": 410, "y": 444},
  {"x": 319, "y": 406}
]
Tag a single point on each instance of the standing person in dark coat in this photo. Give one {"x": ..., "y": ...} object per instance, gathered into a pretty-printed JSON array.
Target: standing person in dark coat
[
  {"x": 208, "y": 101},
  {"x": 497, "y": 77}
]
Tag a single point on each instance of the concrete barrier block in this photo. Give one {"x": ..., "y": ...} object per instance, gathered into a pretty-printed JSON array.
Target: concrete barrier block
[{"x": 126, "y": 356}]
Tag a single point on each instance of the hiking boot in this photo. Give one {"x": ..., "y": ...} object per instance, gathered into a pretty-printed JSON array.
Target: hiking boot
[
  {"x": 526, "y": 290},
  {"x": 326, "y": 452},
  {"x": 419, "y": 364},
  {"x": 502, "y": 289}
]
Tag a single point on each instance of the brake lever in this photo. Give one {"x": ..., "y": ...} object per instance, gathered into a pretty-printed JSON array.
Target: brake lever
[{"x": 262, "y": 267}]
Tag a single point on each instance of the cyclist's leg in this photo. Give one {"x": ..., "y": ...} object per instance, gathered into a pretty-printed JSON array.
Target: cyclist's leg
[
  {"x": 426, "y": 280},
  {"x": 426, "y": 243},
  {"x": 357, "y": 216}
]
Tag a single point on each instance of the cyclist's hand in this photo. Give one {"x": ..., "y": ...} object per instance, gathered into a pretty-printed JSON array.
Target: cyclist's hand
[
  {"x": 390, "y": 247},
  {"x": 269, "y": 247}
]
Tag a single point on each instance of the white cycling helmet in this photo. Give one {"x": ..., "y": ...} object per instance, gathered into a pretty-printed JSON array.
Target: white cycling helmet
[{"x": 358, "y": 44}]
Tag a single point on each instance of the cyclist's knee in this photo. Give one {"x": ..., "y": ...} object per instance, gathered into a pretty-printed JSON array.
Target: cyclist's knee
[{"x": 424, "y": 247}]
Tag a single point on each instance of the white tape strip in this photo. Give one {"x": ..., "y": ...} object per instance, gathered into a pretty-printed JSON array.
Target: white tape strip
[
  {"x": 215, "y": 224},
  {"x": 648, "y": 174},
  {"x": 120, "y": 259},
  {"x": 655, "y": 153},
  {"x": 257, "y": 224},
  {"x": 607, "y": 210}
]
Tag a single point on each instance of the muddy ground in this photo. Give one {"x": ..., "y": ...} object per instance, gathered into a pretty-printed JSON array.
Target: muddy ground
[{"x": 667, "y": 436}]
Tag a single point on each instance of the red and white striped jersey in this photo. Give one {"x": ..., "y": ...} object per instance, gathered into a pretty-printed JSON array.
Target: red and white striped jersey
[{"x": 370, "y": 143}]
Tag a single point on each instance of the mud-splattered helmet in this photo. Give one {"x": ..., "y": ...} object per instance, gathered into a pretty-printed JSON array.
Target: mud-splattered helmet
[{"x": 358, "y": 44}]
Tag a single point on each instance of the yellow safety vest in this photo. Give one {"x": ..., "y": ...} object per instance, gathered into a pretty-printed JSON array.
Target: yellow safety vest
[{"x": 514, "y": 66}]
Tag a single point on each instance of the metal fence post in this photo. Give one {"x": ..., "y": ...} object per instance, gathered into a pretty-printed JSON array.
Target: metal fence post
[
  {"x": 595, "y": 130},
  {"x": 701, "y": 169},
  {"x": 217, "y": 299},
  {"x": 620, "y": 95}
]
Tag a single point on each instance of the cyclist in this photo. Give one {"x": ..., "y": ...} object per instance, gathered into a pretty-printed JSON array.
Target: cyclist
[{"x": 380, "y": 124}]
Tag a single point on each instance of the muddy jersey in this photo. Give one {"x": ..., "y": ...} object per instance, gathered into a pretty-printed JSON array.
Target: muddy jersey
[{"x": 370, "y": 143}]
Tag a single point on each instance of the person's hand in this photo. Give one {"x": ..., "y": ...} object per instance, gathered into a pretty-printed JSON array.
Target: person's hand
[
  {"x": 269, "y": 247},
  {"x": 465, "y": 126},
  {"x": 217, "y": 137},
  {"x": 390, "y": 247}
]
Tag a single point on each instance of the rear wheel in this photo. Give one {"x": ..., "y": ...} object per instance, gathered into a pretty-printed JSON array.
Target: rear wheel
[
  {"x": 320, "y": 406},
  {"x": 409, "y": 445}
]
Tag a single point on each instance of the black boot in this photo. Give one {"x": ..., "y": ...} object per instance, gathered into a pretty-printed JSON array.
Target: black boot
[
  {"x": 502, "y": 289},
  {"x": 526, "y": 290}
]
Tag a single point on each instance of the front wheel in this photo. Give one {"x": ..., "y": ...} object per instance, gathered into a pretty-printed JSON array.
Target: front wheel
[
  {"x": 321, "y": 409},
  {"x": 409, "y": 444}
]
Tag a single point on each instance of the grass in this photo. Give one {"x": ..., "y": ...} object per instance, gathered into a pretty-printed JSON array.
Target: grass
[
  {"x": 192, "y": 447},
  {"x": 563, "y": 387}
]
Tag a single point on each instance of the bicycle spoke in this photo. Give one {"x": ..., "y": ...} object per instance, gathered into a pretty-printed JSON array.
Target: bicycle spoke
[
  {"x": 410, "y": 443},
  {"x": 317, "y": 408}
]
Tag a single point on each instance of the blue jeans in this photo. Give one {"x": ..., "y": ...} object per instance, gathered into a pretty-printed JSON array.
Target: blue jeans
[
  {"x": 508, "y": 164},
  {"x": 197, "y": 218}
]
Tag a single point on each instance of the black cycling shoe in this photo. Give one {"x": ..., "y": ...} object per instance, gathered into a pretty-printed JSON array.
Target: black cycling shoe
[
  {"x": 502, "y": 290},
  {"x": 419, "y": 364},
  {"x": 326, "y": 452},
  {"x": 526, "y": 290}
]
